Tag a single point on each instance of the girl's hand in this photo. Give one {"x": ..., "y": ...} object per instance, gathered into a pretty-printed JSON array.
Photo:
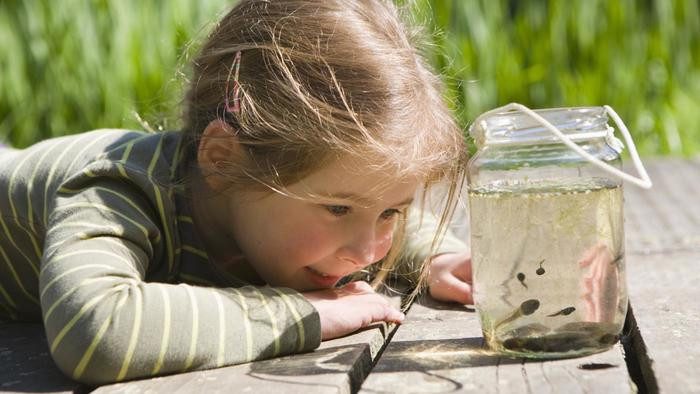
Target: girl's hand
[
  {"x": 450, "y": 278},
  {"x": 351, "y": 307}
]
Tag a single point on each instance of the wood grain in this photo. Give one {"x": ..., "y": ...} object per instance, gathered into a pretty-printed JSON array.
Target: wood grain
[
  {"x": 663, "y": 271},
  {"x": 338, "y": 366},
  {"x": 440, "y": 349}
]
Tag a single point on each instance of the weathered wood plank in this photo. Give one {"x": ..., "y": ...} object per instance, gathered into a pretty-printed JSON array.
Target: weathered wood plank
[
  {"x": 665, "y": 298},
  {"x": 439, "y": 348},
  {"x": 338, "y": 366},
  {"x": 666, "y": 218},
  {"x": 27, "y": 366},
  {"x": 663, "y": 270}
]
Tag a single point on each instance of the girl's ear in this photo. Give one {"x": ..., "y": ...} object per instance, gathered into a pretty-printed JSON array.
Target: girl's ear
[{"x": 219, "y": 147}]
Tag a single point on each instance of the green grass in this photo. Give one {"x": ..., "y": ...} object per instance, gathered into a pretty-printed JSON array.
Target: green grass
[
  {"x": 640, "y": 57},
  {"x": 79, "y": 65},
  {"x": 85, "y": 64}
]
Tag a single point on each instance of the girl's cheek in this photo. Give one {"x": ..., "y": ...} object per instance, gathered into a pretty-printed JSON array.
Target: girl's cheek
[
  {"x": 310, "y": 242},
  {"x": 383, "y": 245}
]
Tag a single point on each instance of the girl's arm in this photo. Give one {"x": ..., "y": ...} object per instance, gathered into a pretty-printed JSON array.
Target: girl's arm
[{"x": 105, "y": 323}]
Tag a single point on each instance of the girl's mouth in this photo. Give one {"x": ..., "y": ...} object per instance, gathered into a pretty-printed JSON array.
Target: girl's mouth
[{"x": 320, "y": 278}]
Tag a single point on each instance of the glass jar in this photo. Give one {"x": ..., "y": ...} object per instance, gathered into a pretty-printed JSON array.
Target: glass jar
[{"x": 547, "y": 234}]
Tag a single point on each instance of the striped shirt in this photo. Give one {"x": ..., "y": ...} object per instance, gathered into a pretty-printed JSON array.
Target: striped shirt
[{"x": 97, "y": 241}]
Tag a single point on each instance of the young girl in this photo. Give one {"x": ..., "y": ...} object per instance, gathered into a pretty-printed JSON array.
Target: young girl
[{"x": 309, "y": 127}]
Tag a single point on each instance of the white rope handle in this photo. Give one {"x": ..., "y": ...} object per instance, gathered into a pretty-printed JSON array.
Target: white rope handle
[{"x": 642, "y": 181}]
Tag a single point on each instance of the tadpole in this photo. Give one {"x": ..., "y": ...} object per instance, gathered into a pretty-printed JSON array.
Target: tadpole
[
  {"x": 540, "y": 271},
  {"x": 529, "y": 307},
  {"x": 566, "y": 311},
  {"x": 526, "y": 308},
  {"x": 521, "y": 278}
]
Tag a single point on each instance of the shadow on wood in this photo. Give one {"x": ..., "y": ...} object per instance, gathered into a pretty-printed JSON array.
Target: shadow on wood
[
  {"x": 26, "y": 363},
  {"x": 424, "y": 355},
  {"x": 323, "y": 361}
]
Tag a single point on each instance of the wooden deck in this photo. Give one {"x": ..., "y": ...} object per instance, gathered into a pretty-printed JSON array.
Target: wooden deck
[{"x": 439, "y": 347}]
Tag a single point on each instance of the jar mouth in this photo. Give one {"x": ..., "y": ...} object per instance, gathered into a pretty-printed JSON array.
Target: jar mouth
[{"x": 515, "y": 127}]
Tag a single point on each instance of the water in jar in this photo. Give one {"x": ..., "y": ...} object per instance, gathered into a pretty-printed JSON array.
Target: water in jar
[{"x": 548, "y": 266}]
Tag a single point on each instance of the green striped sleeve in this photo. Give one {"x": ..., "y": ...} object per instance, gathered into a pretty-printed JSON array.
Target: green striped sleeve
[{"x": 105, "y": 323}]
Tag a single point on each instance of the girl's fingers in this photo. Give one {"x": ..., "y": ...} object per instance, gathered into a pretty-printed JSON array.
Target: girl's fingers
[
  {"x": 388, "y": 312},
  {"x": 458, "y": 264},
  {"x": 453, "y": 289},
  {"x": 379, "y": 309},
  {"x": 357, "y": 287},
  {"x": 392, "y": 315}
]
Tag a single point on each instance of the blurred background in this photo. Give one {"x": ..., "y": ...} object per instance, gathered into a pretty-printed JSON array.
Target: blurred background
[{"x": 77, "y": 65}]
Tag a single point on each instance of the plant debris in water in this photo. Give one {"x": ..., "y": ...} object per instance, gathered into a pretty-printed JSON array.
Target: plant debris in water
[{"x": 572, "y": 336}]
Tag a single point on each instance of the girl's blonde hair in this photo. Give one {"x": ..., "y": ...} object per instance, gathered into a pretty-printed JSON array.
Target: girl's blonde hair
[{"x": 320, "y": 80}]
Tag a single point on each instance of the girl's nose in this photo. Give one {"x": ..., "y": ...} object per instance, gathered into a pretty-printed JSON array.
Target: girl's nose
[{"x": 366, "y": 247}]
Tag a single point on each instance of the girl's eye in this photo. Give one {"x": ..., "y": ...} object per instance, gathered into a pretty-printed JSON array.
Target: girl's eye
[
  {"x": 390, "y": 213},
  {"x": 338, "y": 210}
]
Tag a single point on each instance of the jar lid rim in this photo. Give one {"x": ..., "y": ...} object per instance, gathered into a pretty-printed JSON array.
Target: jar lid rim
[{"x": 579, "y": 123}]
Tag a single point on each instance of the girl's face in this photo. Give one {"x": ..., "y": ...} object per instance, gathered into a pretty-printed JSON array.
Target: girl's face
[{"x": 309, "y": 244}]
